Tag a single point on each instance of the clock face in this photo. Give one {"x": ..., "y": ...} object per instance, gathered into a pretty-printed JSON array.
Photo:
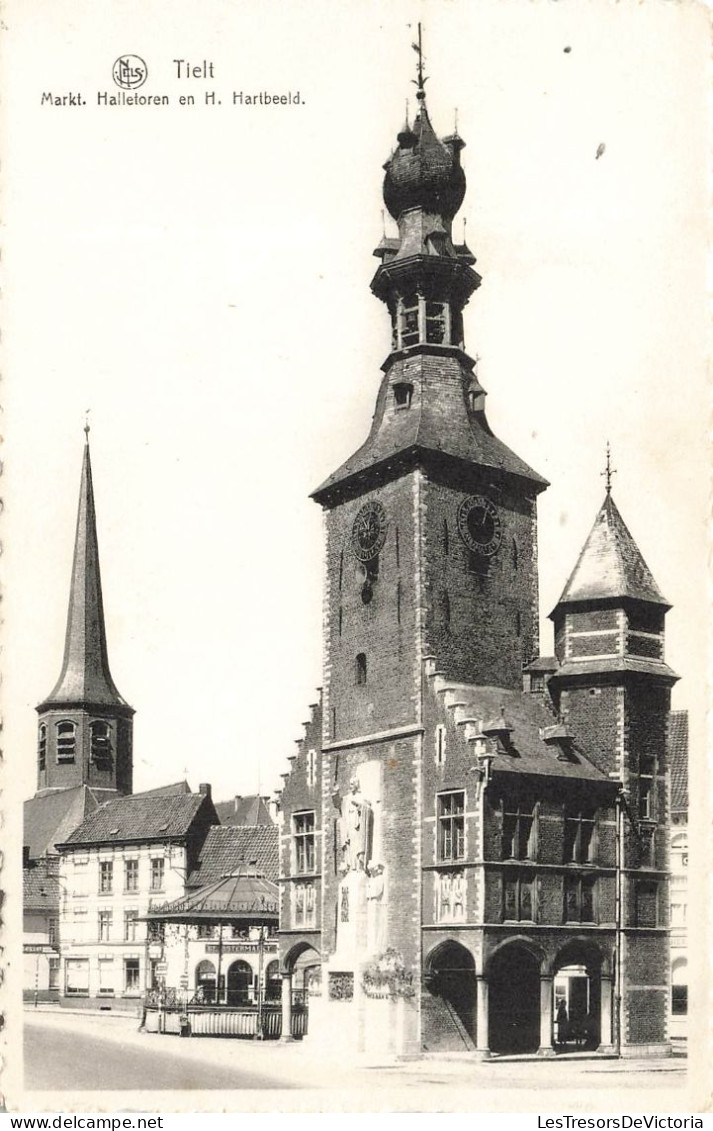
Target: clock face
[
  {"x": 369, "y": 531},
  {"x": 479, "y": 525}
]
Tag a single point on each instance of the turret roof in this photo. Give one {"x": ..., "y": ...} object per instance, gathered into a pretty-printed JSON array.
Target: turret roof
[{"x": 610, "y": 565}]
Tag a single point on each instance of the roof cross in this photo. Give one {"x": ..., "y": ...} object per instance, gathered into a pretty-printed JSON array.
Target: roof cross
[
  {"x": 421, "y": 79},
  {"x": 608, "y": 470}
]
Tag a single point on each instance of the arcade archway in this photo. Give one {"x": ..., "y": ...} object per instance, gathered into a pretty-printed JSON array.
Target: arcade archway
[
  {"x": 514, "y": 1000},
  {"x": 450, "y": 998},
  {"x": 582, "y": 997}
]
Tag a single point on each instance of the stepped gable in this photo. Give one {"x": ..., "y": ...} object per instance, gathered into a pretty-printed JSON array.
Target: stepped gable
[
  {"x": 678, "y": 761},
  {"x": 527, "y": 720},
  {"x": 296, "y": 780},
  {"x": 611, "y": 565},
  {"x": 228, "y": 848}
]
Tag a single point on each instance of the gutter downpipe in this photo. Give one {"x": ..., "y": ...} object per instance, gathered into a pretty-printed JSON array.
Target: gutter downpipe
[{"x": 618, "y": 920}]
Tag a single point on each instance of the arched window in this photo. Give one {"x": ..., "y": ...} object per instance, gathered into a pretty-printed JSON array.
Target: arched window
[
  {"x": 42, "y": 746},
  {"x": 66, "y": 741},
  {"x": 446, "y": 609},
  {"x": 445, "y": 537},
  {"x": 361, "y": 668},
  {"x": 273, "y": 981},
  {"x": 100, "y": 741},
  {"x": 398, "y": 602},
  {"x": 514, "y": 553}
]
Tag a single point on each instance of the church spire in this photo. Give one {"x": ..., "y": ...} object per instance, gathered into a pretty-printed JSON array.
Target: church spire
[
  {"x": 85, "y": 726},
  {"x": 85, "y": 676}
]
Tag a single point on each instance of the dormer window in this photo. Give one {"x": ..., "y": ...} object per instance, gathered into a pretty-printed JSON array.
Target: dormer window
[
  {"x": 42, "y": 747},
  {"x": 100, "y": 741},
  {"x": 403, "y": 392},
  {"x": 66, "y": 741}
]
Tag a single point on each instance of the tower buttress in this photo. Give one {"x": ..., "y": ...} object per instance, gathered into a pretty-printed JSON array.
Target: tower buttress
[{"x": 85, "y": 726}]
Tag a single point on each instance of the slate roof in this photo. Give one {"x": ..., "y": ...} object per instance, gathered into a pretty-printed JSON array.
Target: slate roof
[
  {"x": 437, "y": 423},
  {"x": 234, "y": 898},
  {"x": 528, "y": 717},
  {"x": 250, "y": 810},
  {"x": 228, "y": 848},
  {"x": 40, "y": 887},
  {"x": 678, "y": 760},
  {"x": 617, "y": 664},
  {"x": 49, "y": 818},
  {"x": 85, "y": 675},
  {"x": 610, "y": 564},
  {"x": 140, "y": 818}
]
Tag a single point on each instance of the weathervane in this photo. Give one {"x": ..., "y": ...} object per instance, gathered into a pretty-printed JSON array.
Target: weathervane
[
  {"x": 421, "y": 80},
  {"x": 86, "y": 423},
  {"x": 609, "y": 470}
]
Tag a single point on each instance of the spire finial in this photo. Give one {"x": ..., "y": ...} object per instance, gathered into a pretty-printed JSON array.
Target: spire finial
[
  {"x": 87, "y": 428},
  {"x": 608, "y": 470},
  {"x": 420, "y": 79}
]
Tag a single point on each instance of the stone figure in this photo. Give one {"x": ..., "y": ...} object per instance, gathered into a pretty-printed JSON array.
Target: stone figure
[
  {"x": 355, "y": 827},
  {"x": 458, "y": 896},
  {"x": 376, "y": 907}
]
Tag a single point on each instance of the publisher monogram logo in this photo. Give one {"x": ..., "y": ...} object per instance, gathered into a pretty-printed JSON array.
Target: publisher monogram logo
[{"x": 129, "y": 72}]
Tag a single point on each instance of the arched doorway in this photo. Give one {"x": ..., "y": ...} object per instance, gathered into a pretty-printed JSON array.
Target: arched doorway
[
  {"x": 449, "y": 1001},
  {"x": 273, "y": 982},
  {"x": 514, "y": 1000},
  {"x": 240, "y": 981},
  {"x": 205, "y": 981},
  {"x": 303, "y": 963},
  {"x": 577, "y": 1008}
]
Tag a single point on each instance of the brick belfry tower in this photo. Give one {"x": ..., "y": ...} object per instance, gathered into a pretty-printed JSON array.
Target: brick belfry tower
[
  {"x": 473, "y": 835},
  {"x": 85, "y": 726},
  {"x": 431, "y": 552}
]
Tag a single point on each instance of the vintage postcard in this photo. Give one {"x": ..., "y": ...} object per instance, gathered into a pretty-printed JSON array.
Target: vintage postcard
[{"x": 356, "y": 604}]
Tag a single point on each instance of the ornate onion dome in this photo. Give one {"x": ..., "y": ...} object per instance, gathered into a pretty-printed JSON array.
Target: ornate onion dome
[{"x": 423, "y": 171}]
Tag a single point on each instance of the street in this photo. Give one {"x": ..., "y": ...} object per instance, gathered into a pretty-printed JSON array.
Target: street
[{"x": 70, "y": 1053}]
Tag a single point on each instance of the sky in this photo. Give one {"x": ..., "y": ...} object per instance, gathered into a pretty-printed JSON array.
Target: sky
[{"x": 198, "y": 277}]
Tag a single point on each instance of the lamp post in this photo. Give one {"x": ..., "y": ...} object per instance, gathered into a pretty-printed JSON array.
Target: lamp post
[{"x": 260, "y": 964}]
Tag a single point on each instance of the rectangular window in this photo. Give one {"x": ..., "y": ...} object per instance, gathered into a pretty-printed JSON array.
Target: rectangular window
[
  {"x": 53, "y": 983},
  {"x": 76, "y": 977},
  {"x": 679, "y": 1000},
  {"x": 106, "y": 977},
  {"x": 579, "y": 836},
  {"x": 304, "y": 845},
  {"x": 304, "y": 905},
  {"x": 646, "y": 810},
  {"x": 519, "y": 830},
  {"x": 451, "y": 825},
  {"x": 105, "y": 918},
  {"x": 435, "y": 322},
  {"x": 519, "y": 898},
  {"x": 131, "y": 875},
  {"x": 131, "y": 919},
  {"x": 579, "y": 899},
  {"x": 106, "y": 877},
  {"x": 157, "y": 873},
  {"x": 52, "y": 932},
  {"x": 646, "y": 905},
  {"x": 131, "y": 975}
]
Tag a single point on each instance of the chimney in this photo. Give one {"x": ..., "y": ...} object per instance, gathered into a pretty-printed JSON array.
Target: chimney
[{"x": 204, "y": 788}]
